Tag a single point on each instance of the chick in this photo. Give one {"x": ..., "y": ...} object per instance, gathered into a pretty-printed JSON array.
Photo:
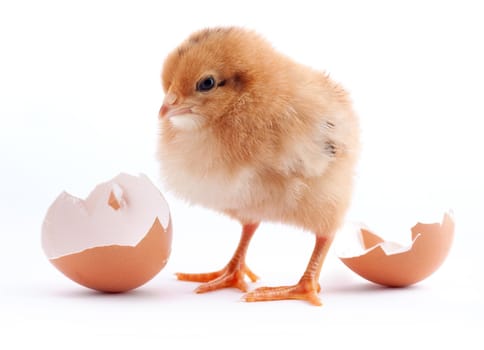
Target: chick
[{"x": 250, "y": 133}]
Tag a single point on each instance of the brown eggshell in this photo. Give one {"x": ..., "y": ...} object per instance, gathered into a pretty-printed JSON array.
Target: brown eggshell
[
  {"x": 394, "y": 266},
  {"x": 115, "y": 240},
  {"x": 117, "y": 268}
]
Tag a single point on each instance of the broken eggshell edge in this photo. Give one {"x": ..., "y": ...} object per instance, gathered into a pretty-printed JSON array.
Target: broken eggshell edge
[
  {"x": 393, "y": 265},
  {"x": 98, "y": 221}
]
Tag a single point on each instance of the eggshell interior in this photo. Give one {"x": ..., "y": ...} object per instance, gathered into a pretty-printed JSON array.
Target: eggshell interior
[
  {"x": 115, "y": 240},
  {"x": 391, "y": 264},
  {"x": 72, "y": 225}
]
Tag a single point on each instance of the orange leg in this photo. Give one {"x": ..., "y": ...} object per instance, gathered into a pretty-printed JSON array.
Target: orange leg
[
  {"x": 232, "y": 275},
  {"x": 306, "y": 289}
]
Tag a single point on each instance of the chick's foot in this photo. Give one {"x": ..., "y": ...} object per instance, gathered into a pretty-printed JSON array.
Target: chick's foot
[
  {"x": 232, "y": 275},
  {"x": 229, "y": 277},
  {"x": 305, "y": 290}
]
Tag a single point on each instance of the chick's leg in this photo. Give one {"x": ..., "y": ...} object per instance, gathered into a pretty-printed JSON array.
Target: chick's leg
[
  {"x": 232, "y": 275},
  {"x": 307, "y": 288}
]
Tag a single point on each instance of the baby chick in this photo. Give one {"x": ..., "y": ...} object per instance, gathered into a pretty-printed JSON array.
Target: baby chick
[{"x": 248, "y": 132}]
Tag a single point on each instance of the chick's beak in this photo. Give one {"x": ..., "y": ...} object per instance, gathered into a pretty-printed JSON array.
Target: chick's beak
[
  {"x": 164, "y": 111},
  {"x": 170, "y": 107}
]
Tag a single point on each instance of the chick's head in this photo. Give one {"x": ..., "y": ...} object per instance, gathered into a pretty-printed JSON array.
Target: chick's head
[{"x": 211, "y": 75}]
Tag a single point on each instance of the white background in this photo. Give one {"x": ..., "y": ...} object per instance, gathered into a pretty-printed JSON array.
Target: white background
[{"x": 79, "y": 96}]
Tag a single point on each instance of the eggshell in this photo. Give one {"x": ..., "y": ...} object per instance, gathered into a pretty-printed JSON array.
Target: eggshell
[
  {"x": 116, "y": 240},
  {"x": 393, "y": 265}
]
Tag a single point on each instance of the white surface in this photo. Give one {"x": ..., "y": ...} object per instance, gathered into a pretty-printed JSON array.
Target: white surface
[{"x": 80, "y": 92}]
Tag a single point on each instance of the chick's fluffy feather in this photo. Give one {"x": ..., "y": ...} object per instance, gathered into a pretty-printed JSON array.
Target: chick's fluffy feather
[{"x": 278, "y": 141}]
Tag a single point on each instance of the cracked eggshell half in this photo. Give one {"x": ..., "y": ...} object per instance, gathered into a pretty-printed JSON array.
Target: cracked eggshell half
[
  {"x": 115, "y": 240},
  {"x": 394, "y": 265}
]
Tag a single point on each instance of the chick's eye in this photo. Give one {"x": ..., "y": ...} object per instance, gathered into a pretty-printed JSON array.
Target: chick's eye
[{"x": 206, "y": 84}]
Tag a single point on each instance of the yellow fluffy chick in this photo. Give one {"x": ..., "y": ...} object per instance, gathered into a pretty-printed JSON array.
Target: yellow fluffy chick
[{"x": 248, "y": 132}]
